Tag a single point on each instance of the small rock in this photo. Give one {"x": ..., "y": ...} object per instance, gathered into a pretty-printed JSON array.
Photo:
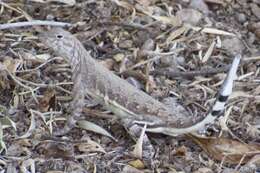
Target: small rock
[
  {"x": 256, "y": 2},
  {"x": 233, "y": 45},
  {"x": 255, "y": 28},
  {"x": 126, "y": 44},
  {"x": 168, "y": 61},
  {"x": 148, "y": 45},
  {"x": 241, "y": 17},
  {"x": 190, "y": 16},
  {"x": 119, "y": 57},
  {"x": 255, "y": 10},
  {"x": 200, "y": 5}
]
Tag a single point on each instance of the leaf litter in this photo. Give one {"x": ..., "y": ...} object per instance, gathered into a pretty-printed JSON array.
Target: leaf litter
[{"x": 36, "y": 86}]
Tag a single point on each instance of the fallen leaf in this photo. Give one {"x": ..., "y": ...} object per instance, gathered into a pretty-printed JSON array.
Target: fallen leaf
[
  {"x": 137, "y": 164},
  {"x": 94, "y": 128},
  {"x": 30, "y": 163},
  {"x": 227, "y": 150},
  {"x": 12, "y": 64},
  {"x": 47, "y": 101},
  {"x": 203, "y": 170},
  {"x": 56, "y": 149},
  {"x": 138, "y": 149},
  {"x": 213, "y": 31},
  {"x": 130, "y": 169},
  {"x": 90, "y": 146},
  {"x": 31, "y": 128}
]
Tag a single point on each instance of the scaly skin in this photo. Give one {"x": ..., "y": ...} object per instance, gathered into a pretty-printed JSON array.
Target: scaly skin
[{"x": 117, "y": 95}]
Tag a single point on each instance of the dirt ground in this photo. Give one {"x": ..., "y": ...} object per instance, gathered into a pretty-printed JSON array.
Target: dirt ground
[{"x": 177, "y": 51}]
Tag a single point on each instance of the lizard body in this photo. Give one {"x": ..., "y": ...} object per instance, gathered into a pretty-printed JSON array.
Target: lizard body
[{"x": 120, "y": 97}]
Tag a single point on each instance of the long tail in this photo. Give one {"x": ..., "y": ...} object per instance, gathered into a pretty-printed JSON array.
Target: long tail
[
  {"x": 226, "y": 89},
  {"x": 217, "y": 108}
]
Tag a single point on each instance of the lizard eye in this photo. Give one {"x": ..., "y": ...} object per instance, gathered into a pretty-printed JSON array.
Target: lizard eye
[{"x": 59, "y": 36}]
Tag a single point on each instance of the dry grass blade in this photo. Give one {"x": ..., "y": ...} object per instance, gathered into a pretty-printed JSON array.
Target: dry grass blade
[
  {"x": 213, "y": 31},
  {"x": 138, "y": 148},
  {"x": 67, "y": 2},
  {"x": 7, "y": 122},
  {"x": 87, "y": 125},
  {"x": 209, "y": 52},
  {"x": 28, "y": 163},
  {"x": 2, "y": 143},
  {"x": 31, "y": 128},
  {"x": 32, "y": 23},
  {"x": 173, "y": 35}
]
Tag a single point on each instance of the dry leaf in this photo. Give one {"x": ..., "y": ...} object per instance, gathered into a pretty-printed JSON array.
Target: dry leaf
[
  {"x": 123, "y": 4},
  {"x": 30, "y": 163},
  {"x": 90, "y": 146},
  {"x": 130, "y": 169},
  {"x": 31, "y": 128},
  {"x": 176, "y": 33},
  {"x": 138, "y": 149},
  {"x": 137, "y": 164},
  {"x": 94, "y": 128},
  {"x": 228, "y": 150},
  {"x": 47, "y": 101},
  {"x": 56, "y": 149},
  {"x": 11, "y": 64},
  {"x": 209, "y": 52},
  {"x": 203, "y": 170},
  {"x": 172, "y": 20}
]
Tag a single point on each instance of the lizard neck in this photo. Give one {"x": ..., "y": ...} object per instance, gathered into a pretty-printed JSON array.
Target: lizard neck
[{"x": 75, "y": 57}]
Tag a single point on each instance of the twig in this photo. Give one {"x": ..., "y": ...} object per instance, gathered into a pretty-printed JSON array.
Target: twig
[
  {"x": 33, "y": 23},
  {"x": 21, "y": 84},
  {"x": 38, "y": 67},
  {"x": 189, "y": 74},
  {"x": 38, "y": 85},
  {"x": 125, "y": 24}
]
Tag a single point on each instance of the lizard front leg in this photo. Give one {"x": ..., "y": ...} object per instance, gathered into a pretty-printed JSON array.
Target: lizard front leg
[{"x": 76, "y": 106}]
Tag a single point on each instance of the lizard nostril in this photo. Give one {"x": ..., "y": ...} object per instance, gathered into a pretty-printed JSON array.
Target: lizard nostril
[{"x": 59, "y": 36}]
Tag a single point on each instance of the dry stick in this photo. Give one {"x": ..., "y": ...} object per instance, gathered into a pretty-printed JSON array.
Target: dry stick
[
  {"x": 125, "y": 24},
  {"x": 189, "y": 74},
  {"x": 38, "y": 67},
  {"x": 21, "y": 84},
  {"x": 38, "y": 85},
  {"x": 33, "y": 23}
]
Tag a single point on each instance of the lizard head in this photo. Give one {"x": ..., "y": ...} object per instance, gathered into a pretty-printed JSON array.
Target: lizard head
[{"x": 61, "y": 41}]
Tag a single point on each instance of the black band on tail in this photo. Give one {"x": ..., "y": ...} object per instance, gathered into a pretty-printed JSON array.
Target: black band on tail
[{"x": 222, "y": 98}]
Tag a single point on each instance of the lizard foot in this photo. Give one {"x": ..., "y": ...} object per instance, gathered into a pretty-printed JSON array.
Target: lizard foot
[
  {"x": 71, "y": 123},
  {"x": 63, "y": 131},
  {"x": 148, "y": 150}
]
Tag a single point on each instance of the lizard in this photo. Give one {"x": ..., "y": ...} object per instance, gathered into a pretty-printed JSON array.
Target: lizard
[{"x": 120, "y": 97}]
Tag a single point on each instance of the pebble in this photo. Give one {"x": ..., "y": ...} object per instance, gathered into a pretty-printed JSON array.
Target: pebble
[
  {"x": 233, "y": 45},
  {"x": 255, "y": 10},
  {"x": 200, "y": 5},
  {"x": 241, "y": 17},
  {"x": 190, "y": 16}
]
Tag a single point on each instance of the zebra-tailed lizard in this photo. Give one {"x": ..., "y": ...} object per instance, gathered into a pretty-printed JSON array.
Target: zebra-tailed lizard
[{"x": 124, "y": 100}]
